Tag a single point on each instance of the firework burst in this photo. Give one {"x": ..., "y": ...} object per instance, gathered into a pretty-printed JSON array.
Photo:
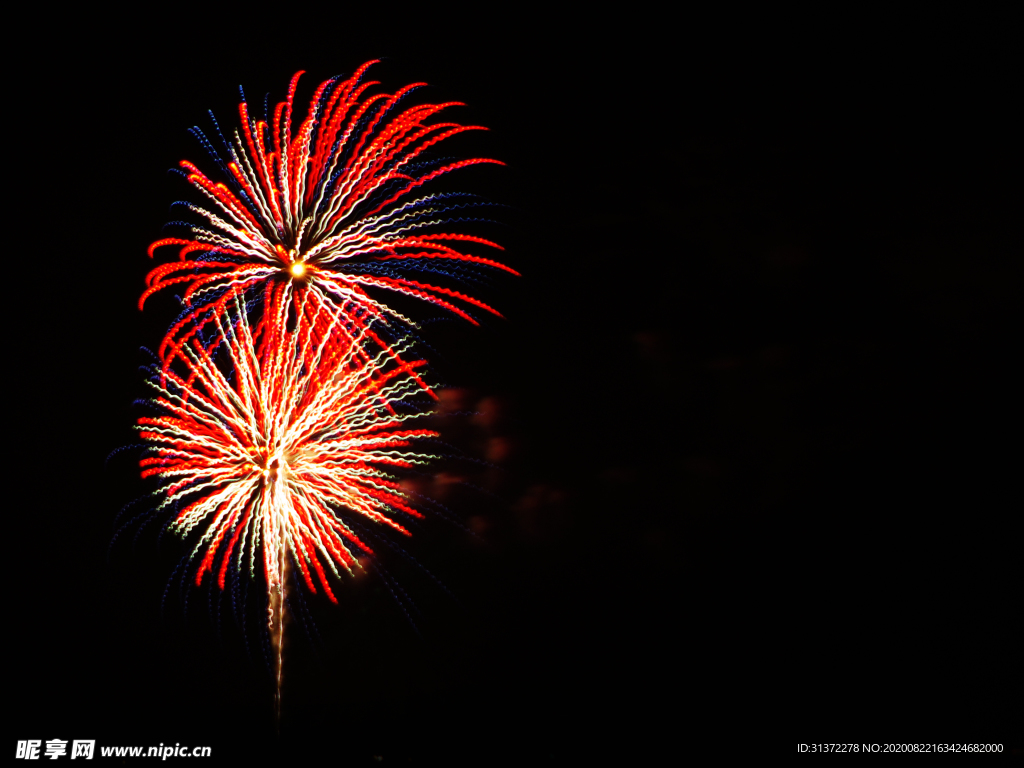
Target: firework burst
[
  {"x": 285, "y": 393},
  {"x": 269, "y": 438},
  {"x": 326, "y": 207}
]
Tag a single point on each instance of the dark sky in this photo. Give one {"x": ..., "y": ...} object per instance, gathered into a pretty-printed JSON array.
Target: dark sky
[{"x": 751, "y": 398}]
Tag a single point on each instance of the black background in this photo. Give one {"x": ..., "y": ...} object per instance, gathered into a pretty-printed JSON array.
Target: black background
[{"x": 754, "y": 384}]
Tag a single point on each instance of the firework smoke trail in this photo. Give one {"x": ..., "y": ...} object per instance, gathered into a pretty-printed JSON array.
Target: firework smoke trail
[
  {"x": 274, "y": 446},
  {"x": 327, "y": 205}
]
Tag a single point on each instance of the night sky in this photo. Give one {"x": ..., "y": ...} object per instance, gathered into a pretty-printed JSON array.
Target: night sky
[{"x": 750, "y": 404}]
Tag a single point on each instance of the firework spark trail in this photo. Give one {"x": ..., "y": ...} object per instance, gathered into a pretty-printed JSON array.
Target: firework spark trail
[
  {"x": 313, "y": 207},
  {"x": 305, "y": 431}
]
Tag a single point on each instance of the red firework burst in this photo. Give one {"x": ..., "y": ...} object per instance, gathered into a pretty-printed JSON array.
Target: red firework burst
[
  {"x": 326, "y": 209},
  {"x": 300, "y": 432}
]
